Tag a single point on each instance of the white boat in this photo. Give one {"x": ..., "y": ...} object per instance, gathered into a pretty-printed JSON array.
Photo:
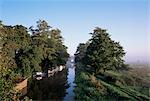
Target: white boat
[
  {"x": 39, "y": 75},
  {"x": 72, "y": 60}
]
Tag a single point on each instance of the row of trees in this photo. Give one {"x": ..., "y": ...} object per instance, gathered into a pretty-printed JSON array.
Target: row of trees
[{"x": 23, "y": 51}]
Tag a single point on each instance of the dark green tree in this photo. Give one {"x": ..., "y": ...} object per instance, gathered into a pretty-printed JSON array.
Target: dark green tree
[
  {"x": 60, "y": 49},
  {"x": 103, "y": 53},
  {"x": 40, "y": 50},
  {"x": 48, "y": 48},
  {"x": 81, "y": 51},
  {"x": 23, "y": 40}
]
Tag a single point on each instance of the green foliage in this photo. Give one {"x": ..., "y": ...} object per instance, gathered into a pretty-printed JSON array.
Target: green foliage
[
  {"x": 48, "y": 49},
  {"x": 103, "y": 53},
  {"x": 79, "y": 55},
  {"x": 22, "y": 53},
  {"x": 133, "y": 93},
  {"x": 7, "y": 63},
  {"x": 88, "y": 88},
  {"x": 112, "y": 90},
  {"x": 102, "y": 75},
  {"x": 81, "y": 52}
]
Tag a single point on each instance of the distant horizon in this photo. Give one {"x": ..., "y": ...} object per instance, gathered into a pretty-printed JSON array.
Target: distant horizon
[{"x": 126, "y": 21}]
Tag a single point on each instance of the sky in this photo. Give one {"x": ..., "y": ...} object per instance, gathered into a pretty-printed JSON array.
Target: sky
[{"x": 127, "y": 21}]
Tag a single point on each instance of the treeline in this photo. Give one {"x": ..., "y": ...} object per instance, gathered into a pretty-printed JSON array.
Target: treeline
[
  {"x": 101, "y": 73},
  {"x": 26, "y": 50}
]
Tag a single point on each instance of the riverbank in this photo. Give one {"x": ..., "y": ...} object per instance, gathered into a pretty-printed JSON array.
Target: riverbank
[
  {"x": 60, "y": 86},
  {"x": 111, "y": 85}
]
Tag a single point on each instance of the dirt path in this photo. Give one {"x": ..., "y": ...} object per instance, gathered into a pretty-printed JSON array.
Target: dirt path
[{"x": 21, "y": 85}]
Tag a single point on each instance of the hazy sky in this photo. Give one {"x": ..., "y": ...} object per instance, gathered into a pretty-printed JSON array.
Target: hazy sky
[{"x": 126, "y": 20}]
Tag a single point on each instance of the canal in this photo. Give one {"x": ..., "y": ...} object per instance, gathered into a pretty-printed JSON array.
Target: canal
[
  {"x": 59, "y": 87},
  {"x": 70, "y": 79}
]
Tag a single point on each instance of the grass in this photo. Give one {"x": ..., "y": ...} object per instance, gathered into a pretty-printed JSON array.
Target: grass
[{"x": 125, "y": 85}]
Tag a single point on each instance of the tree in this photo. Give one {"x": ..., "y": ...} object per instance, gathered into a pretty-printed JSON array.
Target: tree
[
  {"x": 60, "y": 49},
  {"x": 7, "y": 62},
  {"x": 40, "y": 50},
  {"x": 23, "y": 40},
  {"x": 48, "y": 48},
  {"x": 81, "y": 51},
  {"x": 103, "y": 53}
]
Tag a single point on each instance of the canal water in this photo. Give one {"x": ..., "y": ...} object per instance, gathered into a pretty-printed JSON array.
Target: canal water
[
  {"x": 59, "y": 87},
  {"x": 70, "y": 78}
]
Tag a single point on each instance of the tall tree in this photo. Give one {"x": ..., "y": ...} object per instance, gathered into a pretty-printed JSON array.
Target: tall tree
[
  {"x": 81, "y": 51},
  {"x": 23, "y": 40},
  {"x": 60, "y": 49},
  {"x": 103, "y": 53},
  {"x": 48, "y": 47},
  {"x": 40, "y": 46}
]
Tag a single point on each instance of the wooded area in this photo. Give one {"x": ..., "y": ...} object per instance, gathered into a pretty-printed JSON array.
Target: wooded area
[
  {"x": 101, "y": 72},
  {"x": 27, "y": 50}
]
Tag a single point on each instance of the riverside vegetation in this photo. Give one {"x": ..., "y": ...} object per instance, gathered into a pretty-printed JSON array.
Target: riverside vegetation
[
  {"x": 102, "y": 75},
  {"x": 26, "y": 50}
]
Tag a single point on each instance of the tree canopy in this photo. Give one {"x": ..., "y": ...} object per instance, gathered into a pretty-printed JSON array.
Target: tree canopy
[
  {"x": 23, "y": 51},
  {"x": 101, "y": 52}
]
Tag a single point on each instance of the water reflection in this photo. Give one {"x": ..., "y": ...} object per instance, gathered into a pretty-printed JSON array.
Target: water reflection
[
  {"x": 58, "y": 87},
  {"x": 70, "y": 78},
  {"x": 53, "y": 88}
]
